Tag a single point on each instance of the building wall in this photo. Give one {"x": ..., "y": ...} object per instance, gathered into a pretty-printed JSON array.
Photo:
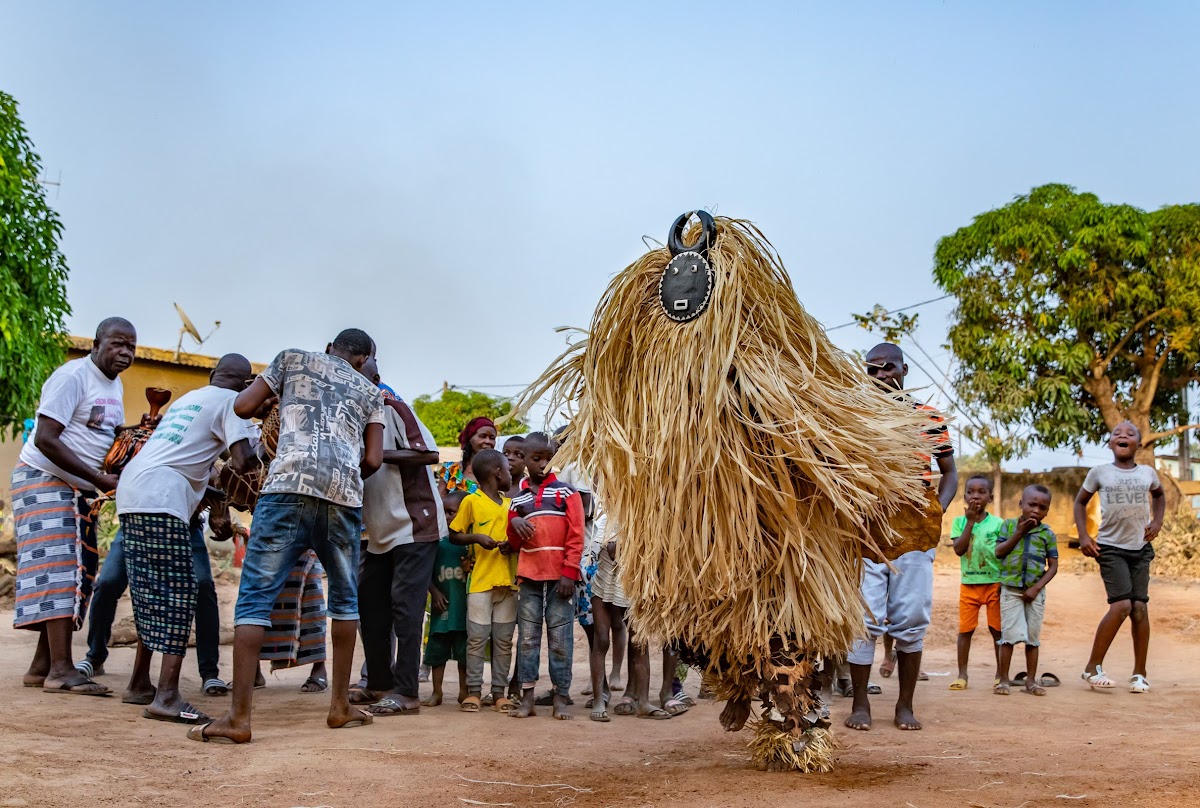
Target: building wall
[{"x": 153, "y": 367}]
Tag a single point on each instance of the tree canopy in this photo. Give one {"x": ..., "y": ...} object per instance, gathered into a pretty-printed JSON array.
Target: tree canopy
[
  {"x": 448, "y": 414},
  {"x": 33, "y": 275},
  {"x": 1074, "y": 315}
]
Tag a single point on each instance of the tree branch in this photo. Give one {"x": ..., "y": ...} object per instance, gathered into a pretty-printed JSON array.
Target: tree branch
[
  {"x": 1157, "y": 436},
  {"x": 1142, "y": 323}
]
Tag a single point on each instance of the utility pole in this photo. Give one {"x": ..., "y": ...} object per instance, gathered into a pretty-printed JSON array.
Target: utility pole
[{"x": 1185, "y": 438}]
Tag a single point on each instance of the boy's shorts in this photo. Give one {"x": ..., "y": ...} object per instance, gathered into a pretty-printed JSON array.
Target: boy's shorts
[
  {"x": 1126, "y": 573},
  {"x": 972, "y": 598},
  {"x": 441, "y": 648},
  {"x": 1021, "y": 621}
]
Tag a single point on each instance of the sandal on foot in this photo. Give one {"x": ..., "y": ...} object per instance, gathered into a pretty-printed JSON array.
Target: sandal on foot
[
  {"x": 872, "y": 689},
  {"x": 215, "y": 687},
  {"x": 655, "y": 714},
  {"x": 196, "y": 733},
  {"x": 315, "y": 684},
  {"x": 627, "y": 707},
  {"x": 361, "y": 698},
  {"x": 85, "y": 688},
  {"x": 390, "y": 707},
  {"x": 88, "y": 669},
  {"x": 844, "y": 688},
  {"x": 922, "y": 676},
  {"x": 888, "y": 666},
  {"x": 1034, "y": 689},
  {"x": 140, "y": 698},
  {"x": 1139, "y": 684},
  {"x": 488, "y": 700},
  {"x": 1098, "y": 680},
  {"x": 600, "y": 715},
  {"x": 1000, "y": 690},
  {"x": 187, "y": 715},
  {"x": 958, "y": 684},
  {"x": 470, "y": 704},
  {"x": 362, "y": 721},
  {"x": 675, "y": 706},
  {"x": 503, "y": 705}
]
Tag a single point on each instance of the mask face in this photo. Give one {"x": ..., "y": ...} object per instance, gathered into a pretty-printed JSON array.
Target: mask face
[{"x": 686, "y": 284}]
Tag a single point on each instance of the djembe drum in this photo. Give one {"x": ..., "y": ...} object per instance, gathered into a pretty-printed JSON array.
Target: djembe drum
[
  {"x": 132, "y": 439},
  {"x": 241, "y": 490}
]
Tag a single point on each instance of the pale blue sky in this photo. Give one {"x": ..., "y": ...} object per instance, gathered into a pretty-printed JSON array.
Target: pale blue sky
[{"x": 459, "y": 179}]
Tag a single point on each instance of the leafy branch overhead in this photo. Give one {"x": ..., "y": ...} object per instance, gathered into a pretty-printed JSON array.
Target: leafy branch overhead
[
  {"x": 33, "y": 275},
  {"x": 449, "y": 413},
  {"x": 1074, "y": 315}
]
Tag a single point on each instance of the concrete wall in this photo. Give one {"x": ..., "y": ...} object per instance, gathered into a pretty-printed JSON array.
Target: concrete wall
[{"x": 1064, "y": 484}]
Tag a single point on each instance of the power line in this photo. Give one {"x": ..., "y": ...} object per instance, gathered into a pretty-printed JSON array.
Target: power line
[{"x": 893, "y": 311}]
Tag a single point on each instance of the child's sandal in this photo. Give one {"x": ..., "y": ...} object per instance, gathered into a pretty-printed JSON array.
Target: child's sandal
[
  {"x": 1000, "y": 689},
  {"x": 1098, "y": 680},
  {"x": 470, "y": 704},
  {"x": 503, "y": 705}
]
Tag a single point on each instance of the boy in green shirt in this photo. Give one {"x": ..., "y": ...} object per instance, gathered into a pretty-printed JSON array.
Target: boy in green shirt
[
  {"x": 448, "y": 608},
  {"x": 974, "y": 536},
  {"x": 1028, "y": 553}
]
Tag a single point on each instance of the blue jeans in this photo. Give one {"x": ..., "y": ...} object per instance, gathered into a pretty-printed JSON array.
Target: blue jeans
[
  {"x": 112, "y": 582},
  {"x": 537, "y": 602},
  {"x": 284, "y": 527}
]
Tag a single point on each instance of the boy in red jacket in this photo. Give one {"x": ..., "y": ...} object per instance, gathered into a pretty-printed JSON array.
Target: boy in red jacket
[{"x": 545, "y": 524}]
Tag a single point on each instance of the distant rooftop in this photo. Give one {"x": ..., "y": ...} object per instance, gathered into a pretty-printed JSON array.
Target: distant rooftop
[{"x": 146, "y": 353}]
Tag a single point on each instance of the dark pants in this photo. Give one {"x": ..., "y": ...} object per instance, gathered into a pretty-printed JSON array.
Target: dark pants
[
  {"x": 112, "y": 582},
  {"x": 391, "y": 598}
]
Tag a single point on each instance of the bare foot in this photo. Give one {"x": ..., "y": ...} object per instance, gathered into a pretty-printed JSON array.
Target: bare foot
[
  {"x": 905, "y": 719},
  {"x": 224, "y": 728},
  {"x": 525, "y": 706},
  {"x": 735, "y": 714},
  {"x": 435, "y": 700},
  {"x": 348, "y": 717},
  {"x": 615, "y": 683},
  {"x": 562, "y": 710},
  {"x": 859, "y": 719}
]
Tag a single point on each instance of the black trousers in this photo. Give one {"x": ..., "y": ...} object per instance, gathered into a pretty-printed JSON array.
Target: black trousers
[{"x": 391, "y": 597}]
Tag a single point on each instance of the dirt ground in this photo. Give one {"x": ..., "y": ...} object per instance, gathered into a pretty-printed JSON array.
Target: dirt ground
[{"x": 1072, "y": 748}]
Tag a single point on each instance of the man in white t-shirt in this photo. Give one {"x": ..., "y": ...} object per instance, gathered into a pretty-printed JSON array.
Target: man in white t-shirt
[
  {"x": 159, "y": 493},
  {"x": 80, "y": 413}
]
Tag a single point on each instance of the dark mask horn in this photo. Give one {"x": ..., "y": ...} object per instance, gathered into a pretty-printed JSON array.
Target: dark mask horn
[{"x": 708, "y": 234}]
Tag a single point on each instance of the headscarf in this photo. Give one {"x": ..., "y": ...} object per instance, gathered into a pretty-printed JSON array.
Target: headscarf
[{"x": 476, "y": 424}]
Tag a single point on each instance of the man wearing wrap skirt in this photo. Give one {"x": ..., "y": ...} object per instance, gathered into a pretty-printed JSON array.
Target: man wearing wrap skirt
[
  {"x": 899, "y": 604},
  {"x": 159, "y": 493},
  {"x": 59, "y": 471}
]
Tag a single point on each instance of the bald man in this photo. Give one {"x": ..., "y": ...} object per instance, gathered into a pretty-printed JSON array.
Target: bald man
[
  {"x": 59, "y": 473},
  {"x": 158, "y": 496}
]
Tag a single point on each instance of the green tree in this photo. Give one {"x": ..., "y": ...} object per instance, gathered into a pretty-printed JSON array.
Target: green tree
[
  {"x": 453, "y": 409},
  {"x": 33, "y": 275},
  {"x": 1074, "y": 315}
]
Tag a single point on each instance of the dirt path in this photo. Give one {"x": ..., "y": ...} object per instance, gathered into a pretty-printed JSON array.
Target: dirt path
[{"x": 1073, "y": 748}]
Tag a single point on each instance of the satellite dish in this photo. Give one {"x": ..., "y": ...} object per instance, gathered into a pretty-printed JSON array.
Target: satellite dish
[{"x": 190, "y": 329}]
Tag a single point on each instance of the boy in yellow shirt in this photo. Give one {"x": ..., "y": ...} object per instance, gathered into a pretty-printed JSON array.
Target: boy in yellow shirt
[{"x": 482, "y": 524}]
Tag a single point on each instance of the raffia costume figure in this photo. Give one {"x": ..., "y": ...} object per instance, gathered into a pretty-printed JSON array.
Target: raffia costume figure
[{"x": 752, "y": 464}]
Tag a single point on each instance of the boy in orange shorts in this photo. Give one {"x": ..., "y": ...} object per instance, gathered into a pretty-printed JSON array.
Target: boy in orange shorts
[{"x": 974, "y": 536}]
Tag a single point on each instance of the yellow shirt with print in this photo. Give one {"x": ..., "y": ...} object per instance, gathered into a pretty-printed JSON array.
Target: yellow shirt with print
[{"x": 479, "y": 514}]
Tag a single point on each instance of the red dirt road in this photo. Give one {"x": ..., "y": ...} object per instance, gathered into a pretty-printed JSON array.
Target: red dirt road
[{"x": 1073, "y": 748}]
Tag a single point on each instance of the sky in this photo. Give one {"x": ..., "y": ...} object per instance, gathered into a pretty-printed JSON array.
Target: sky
[{"x": 460, "y": 179}]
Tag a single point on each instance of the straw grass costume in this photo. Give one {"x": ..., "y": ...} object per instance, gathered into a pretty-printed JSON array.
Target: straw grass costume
[{"x": 751, "y": 464}]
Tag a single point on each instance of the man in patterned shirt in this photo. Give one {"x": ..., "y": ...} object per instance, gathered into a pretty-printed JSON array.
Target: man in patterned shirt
[
  {"x": 311, "y": 499},
  {"x": 900, "y": 603}
]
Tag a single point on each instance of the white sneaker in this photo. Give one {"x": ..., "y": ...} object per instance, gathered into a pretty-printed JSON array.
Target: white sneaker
[{"x": 1138, "y": 684}]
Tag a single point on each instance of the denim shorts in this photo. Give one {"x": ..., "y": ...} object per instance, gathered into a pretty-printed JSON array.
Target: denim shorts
[
  {"x": 284, "y": 527},
  {"x": 1126, "y": 573}
]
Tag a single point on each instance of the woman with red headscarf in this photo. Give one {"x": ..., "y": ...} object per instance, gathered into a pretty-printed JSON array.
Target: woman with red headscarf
[{"x": 478, "y": 434}]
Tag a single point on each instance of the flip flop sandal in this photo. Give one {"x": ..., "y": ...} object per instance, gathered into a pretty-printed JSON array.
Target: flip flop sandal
[
  {"x": 922, "y": 676},
  {"x": 872, "y": 690},
  {"x": 1050, "y": 680},
  {"x": 675, "y": 707},
  {"x": 958, "y": 684},
  {"x": 844, "y": 688},
  {"x": 196, "y": 733},
  {"x": 187, "y": 715},
  {"x": 1034, "y": 689},
  {"x": 320, "y": 681},
  {"x": 70, "y": 690},
  {"x": 656, "y": 714},
  {"x": 503, "y": 705},
  {"x": 1097, "y": 680},
  {"x": 686, "y": 699},
  {"x": 390, "y": 707},
  {"x": 359, "y": 722},
  {"x": 1019, "y": 679},
  {"x": 35, "y": 682},
  {"x": 215, "y": 687},
  {"x": 361, "y": 698},
  {"x": 1000, "y": 690},
  {"x": 600, "y": 716},
  {"x": 470, "y": 704},
  {"x": 625, "y": 708},
  {"x": 88, "y": 669}
]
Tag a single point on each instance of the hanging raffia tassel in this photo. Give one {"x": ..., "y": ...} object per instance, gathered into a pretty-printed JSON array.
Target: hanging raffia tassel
[{"x": 774, "y": 750}]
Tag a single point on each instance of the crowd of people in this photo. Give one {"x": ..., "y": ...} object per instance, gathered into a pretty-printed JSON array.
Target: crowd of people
[{"x": 360, "y": 530}]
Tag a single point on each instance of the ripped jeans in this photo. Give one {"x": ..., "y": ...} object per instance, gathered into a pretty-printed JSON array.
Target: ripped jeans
[{"x": 537, "y": 602}]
